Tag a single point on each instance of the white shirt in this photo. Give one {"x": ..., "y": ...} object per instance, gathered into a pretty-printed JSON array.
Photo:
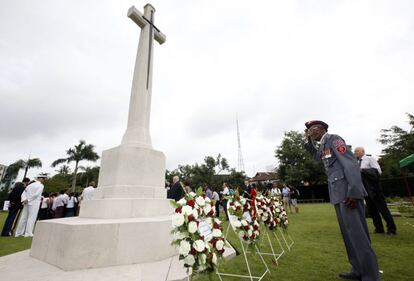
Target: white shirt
[
  {"x": 71, "y": 202},
  {"x": 225, "y": 191},
  {"x": 368, "y": 162},
  {"x": 59, "y": 201},
  {"x": 87, "y": 193},
  {"x": 275, "y": 191},
  {"x": 33, "y": 193},
  {"x": 215, "y": 196},
  {"x": 285, "y": 191}
]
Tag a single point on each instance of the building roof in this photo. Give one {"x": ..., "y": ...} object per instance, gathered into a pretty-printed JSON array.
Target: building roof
[{"x": 264, "y": 176}]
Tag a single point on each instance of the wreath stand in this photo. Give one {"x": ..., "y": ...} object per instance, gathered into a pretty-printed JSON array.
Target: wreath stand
[
  {"x": 288, "y": 244},
  {"x": 244, "y": 252},
  {"x": 276, "y": 256}
]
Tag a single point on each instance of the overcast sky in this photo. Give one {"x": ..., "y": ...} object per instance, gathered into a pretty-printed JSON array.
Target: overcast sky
[{"x": 66, "y": 71}]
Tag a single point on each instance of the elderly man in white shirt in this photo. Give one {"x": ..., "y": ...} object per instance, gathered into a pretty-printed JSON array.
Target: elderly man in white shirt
[
  {"x": 375, "y": 201},
  {"x": 31, "y": 198}
]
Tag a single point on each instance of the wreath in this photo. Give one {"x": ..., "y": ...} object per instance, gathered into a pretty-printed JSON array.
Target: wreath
[
  {"x": 266, "y": 211},
  {"x": 197, "y": 234},
  {"x": 280, "y": 217},
  {"x": 244, "y": 217}
]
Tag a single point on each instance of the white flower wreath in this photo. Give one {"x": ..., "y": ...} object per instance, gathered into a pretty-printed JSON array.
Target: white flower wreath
[
  {"x": 197, "y": 234},
  {"x": 243, "y": 218}
]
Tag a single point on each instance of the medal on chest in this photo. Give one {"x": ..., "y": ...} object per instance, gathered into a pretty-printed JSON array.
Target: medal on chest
[{"x": 326, "y": 153}]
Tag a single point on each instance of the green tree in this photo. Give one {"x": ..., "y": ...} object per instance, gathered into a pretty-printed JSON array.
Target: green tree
[
  {"x": 296, "y": 166},
  {"x": 14, "y": 168},
  {"x": 79, "y": 152},
  {"x": 88, "y": 174},
  {"x": 399, "y": 143},
  {"x": 213, "y": 171}
]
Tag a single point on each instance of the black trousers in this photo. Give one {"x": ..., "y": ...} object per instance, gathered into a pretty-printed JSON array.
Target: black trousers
[
  {"x": 377, "y": 207},
  {"x": 8, "y": 224}
]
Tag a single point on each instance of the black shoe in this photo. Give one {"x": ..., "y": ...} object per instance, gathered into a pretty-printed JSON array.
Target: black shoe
[
  {"x": 379, "y": 231},
  {"x": 350, "y": 275}
]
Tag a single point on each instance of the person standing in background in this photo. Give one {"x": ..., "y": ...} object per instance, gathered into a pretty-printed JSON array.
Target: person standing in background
[
  {"x": 376, "y": 205},
  {"x": 14, "y": 207},
  {"x": 31, "y": 197}
]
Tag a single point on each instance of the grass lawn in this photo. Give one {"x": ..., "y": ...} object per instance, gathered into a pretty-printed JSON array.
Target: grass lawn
[{"x": 318, "y": 253}]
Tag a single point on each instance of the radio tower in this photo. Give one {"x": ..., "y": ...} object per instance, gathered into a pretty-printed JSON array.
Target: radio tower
[{"x": 240, "y": 163}]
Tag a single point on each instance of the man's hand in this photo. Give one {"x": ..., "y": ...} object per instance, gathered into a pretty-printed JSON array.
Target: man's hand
[
  {"x": 24, "y": 202},
  {"x": 350, "y": 203}
]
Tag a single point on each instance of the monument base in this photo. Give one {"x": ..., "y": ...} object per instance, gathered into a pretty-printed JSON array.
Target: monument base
[
  {"x": 81, "y": 243},
  {"x": 21, "y": 266}
]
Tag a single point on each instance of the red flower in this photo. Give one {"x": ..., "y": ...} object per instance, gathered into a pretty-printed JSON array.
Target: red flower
[
  {"x": 216, "y": 226},
  {"x": 193, "y": 251},
  {"x": 190, "y": 218},
  {"x": 191, "y": 203},
  {"x": 255, "y": 227},
  {"x": 246, "y": 227},
  {"x": 211, "y": 212},
  {"x": 178, "y": 210},
  {"x": 238, "y": 208}
]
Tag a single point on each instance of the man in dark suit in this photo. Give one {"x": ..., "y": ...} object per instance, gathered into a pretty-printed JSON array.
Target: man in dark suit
[
  {"x": 376, "y": 205},
  {"x": 176, "y": 191},
  {"x": 15, "y": 206},
  {"x": 346, "y": 193}
]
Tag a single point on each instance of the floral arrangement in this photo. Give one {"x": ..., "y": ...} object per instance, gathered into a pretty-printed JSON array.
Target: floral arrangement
[
  {"x": 244, "y": 217},
  {"x": 266, "y": 211},
  {"x": 197, "y": 234},
  {"x": 279, "y": 214}
]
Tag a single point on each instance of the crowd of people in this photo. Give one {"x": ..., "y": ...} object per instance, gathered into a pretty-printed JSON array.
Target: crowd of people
[
  {"x": 28, "y": 203},
  {"x": 288, "y": 194}
]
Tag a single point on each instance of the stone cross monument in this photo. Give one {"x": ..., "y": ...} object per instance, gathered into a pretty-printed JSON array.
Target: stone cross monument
[{"x": 129, "y": 219}]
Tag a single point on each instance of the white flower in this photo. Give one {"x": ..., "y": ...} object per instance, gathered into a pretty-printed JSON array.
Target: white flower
[
  {"x": 237, "y": 223},
  {"x": 249, "y": 232},
  {"x": 192, "y": 227},
  {"x": 202, "y": 259},
  {"x": 241, "y": 234},
  {"x": 216, "y": 220},
  {"x": 189, "y": 260},
  {"x": 195, "y": 213},
  {"x": 284, "y": 213},
  {"x": 199, "y": 245},
  {"x": 237, "y": 204},
  {"x": 182, "y": 201},
  {"x": 217, "y": 233},
  {"x": 256, "y": 233},
  {"x": 209, "y": 221},
  {"x": 184, "y": 248},
  {"x": 208, "y": 200},
  {"x": 277, "y": 210},
  {"x": 207, "y": 209},
  {"x": 187, "y": 210},
  {"x": 200, "y": 201},
  {"x": 214, "y": 258},
  {"x": 177, "y": 220},
  {"x": 208, "y": 245},
  {"x": 219, "y": 245},
  {"x": 192, "y": 194},
  {"x": 286, "y": 222},
  {"x": 242, "y": 201},
  {"x": 244, "y": 222}
]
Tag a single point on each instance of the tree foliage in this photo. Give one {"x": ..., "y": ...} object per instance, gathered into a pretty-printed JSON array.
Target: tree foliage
[
  {"x": 296, "y": 166},
  {"x": 214, "y": 171},
  {"x": 79, "y": 152},
  {"x": 399, "y": 143}
]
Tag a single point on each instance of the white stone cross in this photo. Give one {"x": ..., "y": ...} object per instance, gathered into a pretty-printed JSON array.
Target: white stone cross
[{"x": 137, "y": 132}]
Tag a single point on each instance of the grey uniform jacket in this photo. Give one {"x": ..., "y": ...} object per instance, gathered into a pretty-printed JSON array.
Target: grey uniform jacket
[{"x": 341, "y": 167}]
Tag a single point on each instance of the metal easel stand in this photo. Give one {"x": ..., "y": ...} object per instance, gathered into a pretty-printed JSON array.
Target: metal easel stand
[
  {"x": 288, "y": 244},
  {"x": 276, "y": 256},
  {"x": 244, "y": 252}
]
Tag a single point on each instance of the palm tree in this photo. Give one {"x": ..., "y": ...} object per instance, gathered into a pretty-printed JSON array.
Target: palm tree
[
  {"x": 64, "y": 170},
  {"x": 91, "y": 173},
  {"x": 79, "y": 152},
  {"x": 27, "y": 164}
]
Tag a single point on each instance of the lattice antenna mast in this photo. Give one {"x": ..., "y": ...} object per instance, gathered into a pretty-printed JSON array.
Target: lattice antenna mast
[{"x": 240, "y": 163}]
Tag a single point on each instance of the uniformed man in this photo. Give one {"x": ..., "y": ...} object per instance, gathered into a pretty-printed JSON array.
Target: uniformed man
[
  {"x": 376, "y": 205},
  {"x": 30, "y": 198},
  {"x": 346, "y": 193}
]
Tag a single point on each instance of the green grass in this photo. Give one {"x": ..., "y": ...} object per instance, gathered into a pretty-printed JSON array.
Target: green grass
[
  {"x": 9, "y": 245},
  {"x": 317, "y": 255}
]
